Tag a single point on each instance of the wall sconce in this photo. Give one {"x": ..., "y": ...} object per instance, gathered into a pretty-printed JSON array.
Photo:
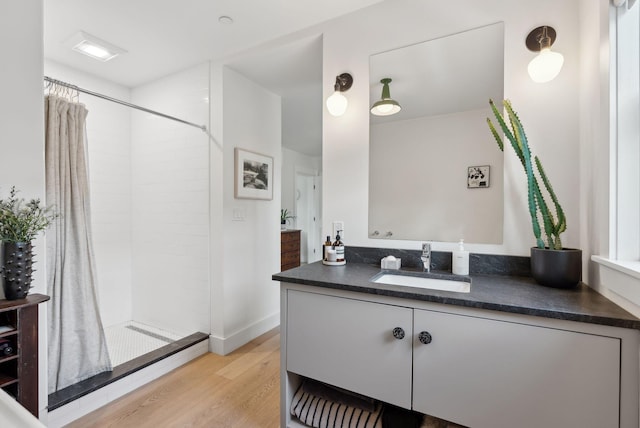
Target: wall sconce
[
  {"x": 337, "y": 103},
  {"x": 547, "y": 64},
  {"x": 386, "y": 106}
]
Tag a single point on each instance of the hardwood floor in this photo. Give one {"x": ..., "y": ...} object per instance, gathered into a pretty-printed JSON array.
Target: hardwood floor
[{"x": 240, "y": 390}]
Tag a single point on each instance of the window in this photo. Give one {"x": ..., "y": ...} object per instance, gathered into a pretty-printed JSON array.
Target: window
[
  {"x": 625, "y": 239},
  {"x": 619, "y": 274}
]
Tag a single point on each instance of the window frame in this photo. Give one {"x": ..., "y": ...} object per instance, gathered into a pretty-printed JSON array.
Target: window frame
[
  {"x": 625, "y": 142},
  {"x": 618, "y": 273}
]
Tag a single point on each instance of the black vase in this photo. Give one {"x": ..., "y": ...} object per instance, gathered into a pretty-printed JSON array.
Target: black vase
[
  {"x": 556, "y": 268},
  {"x": 17, "y": 268}
]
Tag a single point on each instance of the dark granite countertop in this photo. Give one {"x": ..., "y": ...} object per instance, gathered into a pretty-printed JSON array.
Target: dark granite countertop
[{"x": 515, "y": 294}]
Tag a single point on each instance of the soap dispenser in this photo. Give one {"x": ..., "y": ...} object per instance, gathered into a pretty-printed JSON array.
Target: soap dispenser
[
  {"x": 460, "y": 260},
  {"x": 339, "y": 246}
]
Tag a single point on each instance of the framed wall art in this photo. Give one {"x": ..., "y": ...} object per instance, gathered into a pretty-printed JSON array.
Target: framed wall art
[
  {"x": 253, "y": 175},
  {"x": 478, "y": 176}
]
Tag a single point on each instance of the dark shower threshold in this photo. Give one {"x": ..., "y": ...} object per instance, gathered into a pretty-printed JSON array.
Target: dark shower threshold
[{"x": 80, "y": 389}]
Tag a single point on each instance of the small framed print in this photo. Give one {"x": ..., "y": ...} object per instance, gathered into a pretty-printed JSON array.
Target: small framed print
[
  {"x": 253, "y": 175},
  {"x": 478, "y": 176}
]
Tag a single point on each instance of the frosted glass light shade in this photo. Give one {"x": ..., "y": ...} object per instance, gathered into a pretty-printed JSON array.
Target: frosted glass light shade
[
  {"x": 385, "y": 108},
  {"x": 93, "y": 47},
  {"x": 95, "y": 51},
  {"x": 545, "y": 66},
  {"x": 337, "y": 104}
]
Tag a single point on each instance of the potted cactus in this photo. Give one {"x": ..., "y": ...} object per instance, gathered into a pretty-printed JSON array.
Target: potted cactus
[{"x": 551, "y": 264}]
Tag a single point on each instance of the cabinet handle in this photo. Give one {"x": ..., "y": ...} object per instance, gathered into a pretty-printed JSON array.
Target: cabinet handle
[
  {"x": 398, "y": 333},
  {"x": 424, "y": 337}
]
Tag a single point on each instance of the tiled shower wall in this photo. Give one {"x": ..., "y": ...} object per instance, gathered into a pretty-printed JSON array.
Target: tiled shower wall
[
  {"x": 171, "y": 204},
  {"x": 109, "y": 153},
  {"x": 150, "y": 203}
]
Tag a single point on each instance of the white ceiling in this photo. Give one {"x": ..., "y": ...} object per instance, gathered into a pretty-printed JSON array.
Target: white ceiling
[{"x": 165, "y": 36}]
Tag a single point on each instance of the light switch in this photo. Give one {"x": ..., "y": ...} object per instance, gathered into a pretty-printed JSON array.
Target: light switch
[{"x": 238, "y": 214}]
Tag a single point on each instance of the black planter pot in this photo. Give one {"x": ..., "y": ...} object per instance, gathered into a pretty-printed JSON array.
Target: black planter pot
[
  {"x": 17, "y": 267},
  {"x": 556, "y": 268}
]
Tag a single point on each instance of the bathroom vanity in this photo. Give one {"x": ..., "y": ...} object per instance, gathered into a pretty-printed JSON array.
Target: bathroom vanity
[{"x": 508, "y": 353}]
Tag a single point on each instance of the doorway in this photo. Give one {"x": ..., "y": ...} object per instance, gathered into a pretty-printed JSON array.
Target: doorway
[{"x": 308, "y": 214}]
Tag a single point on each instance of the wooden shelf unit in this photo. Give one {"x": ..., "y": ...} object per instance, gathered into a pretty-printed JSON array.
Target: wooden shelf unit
[
  {"x": 19, "y": 371},
  {"x": 289, "y": 249}
]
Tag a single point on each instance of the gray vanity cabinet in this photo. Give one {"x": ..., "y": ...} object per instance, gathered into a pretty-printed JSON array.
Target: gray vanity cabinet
[
  {"x": 348, "y": 343},
  {"x": 482, "y": 372},
  {"x": 479, "y": 368}
]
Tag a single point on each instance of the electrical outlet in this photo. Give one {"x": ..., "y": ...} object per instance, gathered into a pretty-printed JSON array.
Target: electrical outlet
[{"x": 338, "y": 226}]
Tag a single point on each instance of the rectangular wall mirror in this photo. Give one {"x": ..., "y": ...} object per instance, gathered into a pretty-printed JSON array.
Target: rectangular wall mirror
[{"x": 435, "y": 171}]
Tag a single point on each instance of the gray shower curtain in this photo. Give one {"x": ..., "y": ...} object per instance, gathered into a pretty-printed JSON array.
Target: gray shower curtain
[{"x": 77, "y": 344}]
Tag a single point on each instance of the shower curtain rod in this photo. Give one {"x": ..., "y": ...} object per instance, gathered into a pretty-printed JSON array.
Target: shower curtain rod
[{"x": 124, "y": 103}]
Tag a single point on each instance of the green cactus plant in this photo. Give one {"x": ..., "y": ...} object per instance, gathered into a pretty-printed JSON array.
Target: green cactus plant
[{"x": 553, "y": 224}]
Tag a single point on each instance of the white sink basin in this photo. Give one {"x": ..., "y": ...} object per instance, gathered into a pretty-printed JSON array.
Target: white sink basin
[{"x": 423, "y": 282}]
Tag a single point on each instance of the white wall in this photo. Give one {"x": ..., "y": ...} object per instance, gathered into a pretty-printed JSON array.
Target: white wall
[
  {"x": 594, "y": 116},
  {"x": 171, "y": 203},
  {"x": 109, "y": 148},
  {"x": 22, "y": 109},
  {"x": 549, "y": 112},
  {"x": 22, "y": 132},
  {"x": 245, "y": 302}
]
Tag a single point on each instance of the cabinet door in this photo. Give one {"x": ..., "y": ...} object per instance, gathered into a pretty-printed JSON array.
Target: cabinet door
[
  {"x": 350, "y": 344},
  {"x": 492, "y": 374}
]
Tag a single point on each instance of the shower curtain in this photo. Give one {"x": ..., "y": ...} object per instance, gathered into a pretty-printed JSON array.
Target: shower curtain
[{"x": 77, "y": 345}]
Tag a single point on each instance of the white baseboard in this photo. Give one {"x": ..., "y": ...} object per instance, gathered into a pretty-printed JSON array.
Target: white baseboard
[
  {"x": 76, "y": 409},
  {"x": 226, "y": 345}
]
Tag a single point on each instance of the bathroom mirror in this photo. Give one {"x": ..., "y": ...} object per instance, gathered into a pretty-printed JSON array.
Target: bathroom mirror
[{"x": 435, "y": 171}]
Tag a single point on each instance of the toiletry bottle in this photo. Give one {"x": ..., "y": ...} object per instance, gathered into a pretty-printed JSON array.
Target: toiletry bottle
[
  {"x": 460, "y": 260},
  {"x": 324, "y": 248},
  {"x": 339, "y": 247}
]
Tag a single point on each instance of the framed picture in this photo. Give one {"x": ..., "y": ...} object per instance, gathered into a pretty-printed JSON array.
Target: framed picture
[
  {"x": 253, "y": 175},
  {"x": 478, "y": 176}
]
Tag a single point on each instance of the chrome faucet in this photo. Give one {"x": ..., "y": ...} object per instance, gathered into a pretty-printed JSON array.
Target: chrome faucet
[{"x": 426, "y": 257}]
